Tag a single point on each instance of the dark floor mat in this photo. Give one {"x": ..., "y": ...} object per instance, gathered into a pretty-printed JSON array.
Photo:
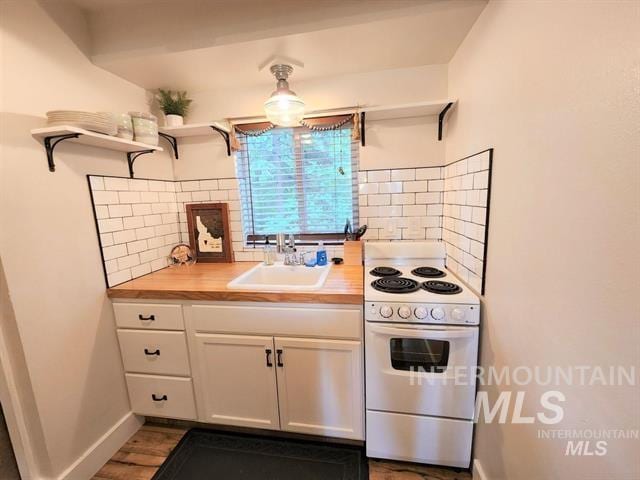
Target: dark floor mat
[{"x": 211, "y": 455}]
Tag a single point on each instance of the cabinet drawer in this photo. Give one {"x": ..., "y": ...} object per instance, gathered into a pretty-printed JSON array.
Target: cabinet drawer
[
  {"x": 149, "y": 316},
  {"x": 158, "y": 396},
  {"x": 154, "y": 352}
]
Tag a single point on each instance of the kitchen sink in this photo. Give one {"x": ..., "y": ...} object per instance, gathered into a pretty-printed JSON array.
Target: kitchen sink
[{"x": 281, "y": 277}]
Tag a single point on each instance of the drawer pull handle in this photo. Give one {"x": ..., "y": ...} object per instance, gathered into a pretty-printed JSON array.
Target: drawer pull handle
[
  {"x": 158, "y": 399},
  {"x": 268, "y": 353},
  {"x": 279, "y": 358},
  {"x": 150, "y": 317},
  {"x": 156, "y": 352}
]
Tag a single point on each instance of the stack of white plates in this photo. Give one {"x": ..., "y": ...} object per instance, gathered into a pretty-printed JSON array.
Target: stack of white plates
[{"x": 96, "y": 122}]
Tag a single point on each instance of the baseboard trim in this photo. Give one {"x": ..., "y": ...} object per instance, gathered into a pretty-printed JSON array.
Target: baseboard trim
[
  {"x": 103, "y": 449},
  {"x": 478, "y": 472}
]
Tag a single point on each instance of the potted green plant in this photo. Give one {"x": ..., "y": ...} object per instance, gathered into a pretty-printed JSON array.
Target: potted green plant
[{"x": 175, "y": 106}]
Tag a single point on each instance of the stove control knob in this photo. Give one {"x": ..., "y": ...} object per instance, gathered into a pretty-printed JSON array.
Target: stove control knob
[
  {"x": 458, "y": 314},
  {"x": 437, "y": 313},
  {"x": 404, "y": 311},
  {"x": 421, "y": 313},
  {"x": 386, "y": 311}
]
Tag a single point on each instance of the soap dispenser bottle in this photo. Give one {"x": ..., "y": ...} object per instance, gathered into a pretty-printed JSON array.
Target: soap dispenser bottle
[
  {"x": 269, "y": 253},
  {"x": 321, "y": 255}
]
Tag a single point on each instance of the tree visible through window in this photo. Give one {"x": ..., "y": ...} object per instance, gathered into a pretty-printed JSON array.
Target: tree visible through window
[{"x": 297, "y": 180}]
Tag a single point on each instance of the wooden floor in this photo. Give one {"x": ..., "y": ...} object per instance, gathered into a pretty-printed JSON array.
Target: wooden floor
[{"x": 140, "y": 457}]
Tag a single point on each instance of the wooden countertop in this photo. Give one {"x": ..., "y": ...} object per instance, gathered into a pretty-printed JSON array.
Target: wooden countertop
[{"x": 208, "y": 281}]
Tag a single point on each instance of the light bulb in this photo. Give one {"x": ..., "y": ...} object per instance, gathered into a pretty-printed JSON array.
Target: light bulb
[{"x": 284, "y": 107}]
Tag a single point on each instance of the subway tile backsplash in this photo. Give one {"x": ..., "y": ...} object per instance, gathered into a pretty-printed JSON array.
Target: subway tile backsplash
[
  {"x": 466, "y": 184},
  {"x": 442, "y": 203},
  {"x": 139, "y": 221},
  {"x": 137, "y": 225},
  {"x": 397, "y": 204}
]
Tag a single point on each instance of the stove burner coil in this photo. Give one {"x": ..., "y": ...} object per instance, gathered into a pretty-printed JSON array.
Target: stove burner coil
[
  {"x": 395, "y": 285},
  {"x": 385, "y": 272},
  {"x": 438, "y": 286},
  {"x": 428, "y": 272}
]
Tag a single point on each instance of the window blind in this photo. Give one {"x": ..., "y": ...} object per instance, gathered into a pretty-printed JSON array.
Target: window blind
[{"x": 298, "y": 180}]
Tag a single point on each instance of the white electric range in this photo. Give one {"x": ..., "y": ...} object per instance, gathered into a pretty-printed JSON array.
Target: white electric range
[{"x": 421, "y": 344}]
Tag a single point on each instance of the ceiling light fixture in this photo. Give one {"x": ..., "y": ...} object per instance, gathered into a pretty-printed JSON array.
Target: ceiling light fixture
[{"x": 284, "y": 108}]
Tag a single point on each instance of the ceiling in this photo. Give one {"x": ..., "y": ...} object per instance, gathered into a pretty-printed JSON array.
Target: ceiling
[{"x": 202, "y": 45}]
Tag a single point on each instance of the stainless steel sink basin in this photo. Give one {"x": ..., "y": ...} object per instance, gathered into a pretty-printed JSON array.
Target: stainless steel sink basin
[{"x": 281, "y": 277}]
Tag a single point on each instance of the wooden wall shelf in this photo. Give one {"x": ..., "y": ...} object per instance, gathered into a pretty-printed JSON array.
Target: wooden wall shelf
[
  {"x": 51, "y": 136},
  {"x": 406, "y": 110},
  {"x": 171, "y": 134}
]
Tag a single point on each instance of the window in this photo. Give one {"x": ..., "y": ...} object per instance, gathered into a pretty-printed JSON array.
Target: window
[
  {"x": 300, "y": 181},
  {"x": 416, "y": 354}
]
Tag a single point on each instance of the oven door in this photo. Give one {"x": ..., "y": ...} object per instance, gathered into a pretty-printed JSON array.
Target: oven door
[{"x": 421, "y": 370}]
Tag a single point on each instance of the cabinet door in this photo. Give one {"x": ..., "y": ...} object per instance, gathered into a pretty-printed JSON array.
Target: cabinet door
[
  {"x": 236, "y": 381},
  {"x": 320, "y": 386}
]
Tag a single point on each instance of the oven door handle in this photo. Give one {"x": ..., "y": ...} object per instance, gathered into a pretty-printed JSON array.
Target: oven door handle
[{"x": 425, "y": 333}]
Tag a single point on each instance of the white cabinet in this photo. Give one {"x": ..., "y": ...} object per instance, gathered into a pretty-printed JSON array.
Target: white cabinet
[
  {"x": 294, "y": 384},
  {"x": 292, "y": 367},
  {"x": 320, "y": 386},
  {"x": 316, "y": 384},
  {"x": 236, "y": 380},
  {"x": 155, "y": 359}
]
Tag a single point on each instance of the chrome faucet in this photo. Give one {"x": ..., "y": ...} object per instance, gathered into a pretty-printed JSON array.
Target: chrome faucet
[
  {"x": 280, "y": 243},
  {"x": 290, "y": 255}
]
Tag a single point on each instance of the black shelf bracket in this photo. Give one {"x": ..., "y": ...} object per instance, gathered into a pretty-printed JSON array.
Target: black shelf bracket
[
  {"x": 131, "y": 157},
  {"x": 173, "y": 141},
  {"x": 441, "y": 119},
  {"x": 225, "y": 135},
  {"x": 51, "y": 142},
  {"x": 362, "y": 121}
]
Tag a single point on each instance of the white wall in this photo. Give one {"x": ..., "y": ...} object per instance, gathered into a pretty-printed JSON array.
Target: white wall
[
  {"x": 369, "y": 88},
  {"x": 48, "y": 240},
  {"x": 409, "y": 142},
  {"x": 553, "y": 87},
  {"x": 402, "y": 143}
]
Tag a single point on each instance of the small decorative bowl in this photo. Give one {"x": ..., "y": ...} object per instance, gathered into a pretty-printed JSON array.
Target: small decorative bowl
[{"x": 182, "y": 254}]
